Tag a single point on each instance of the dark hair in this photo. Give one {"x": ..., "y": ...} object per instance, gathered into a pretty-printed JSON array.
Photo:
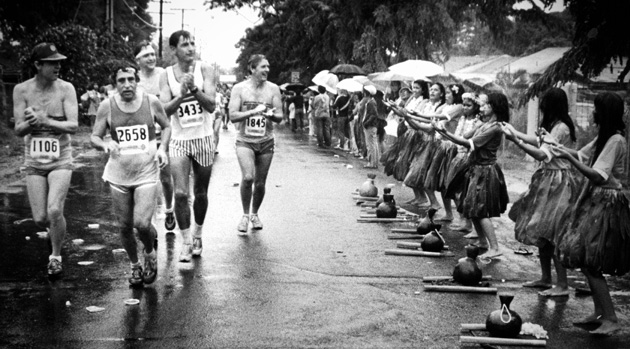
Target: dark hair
[
  {"x": 381, "y": 107},
  {"x": 144, "y": 43},
  {"x": 424, "y": 87},
  {"x": 359, "y": 95},
  {"x": 321, "y": 89},
  {"x": 443, "y": 93},
  {"x": 174, "y": 39},
  {"x": 500, "y": 106},
  {"x": 554, "y": 106},
  {"x": 126, "y": 70},
  {"x": 253, "y": 62},
  {"x": 457, "y": 92},
  {"x": 474, "y": 101},
  {"x": 608, "y": 114}
]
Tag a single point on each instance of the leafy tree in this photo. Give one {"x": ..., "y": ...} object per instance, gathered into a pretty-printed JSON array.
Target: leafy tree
[
  {"x": 599, "y": 37},
  {"x": 91, "y": 55},
  {"x": 21, "y": 18}
]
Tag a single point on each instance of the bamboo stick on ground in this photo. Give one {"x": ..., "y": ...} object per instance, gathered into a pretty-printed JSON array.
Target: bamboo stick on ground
[
  {"x": 398, "y": 252},
  {"x": 405, "y": 237},
  {"x": 473, "y": 327},
  {"x": 465, "y": 289},
  {"x": 405, "y": 230},
  {"x": 447, "y": 278},
  {"x": 414, "y": 245},
  {"x": 365, "y": 198},
  {"x": 382, "y": 220},
  {"x": 397, "y": 216},
  {"x": 503, "y": 341}
]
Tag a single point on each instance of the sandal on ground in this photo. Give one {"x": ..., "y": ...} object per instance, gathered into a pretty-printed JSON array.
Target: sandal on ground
[
  {"x": 548, "y": 293},
  {"x": 523, "y": 251},
  {"x": 537, "y": 284}
]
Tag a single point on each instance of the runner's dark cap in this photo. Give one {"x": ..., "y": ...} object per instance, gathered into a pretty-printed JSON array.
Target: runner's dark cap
[{"x": 46, "y": 52}]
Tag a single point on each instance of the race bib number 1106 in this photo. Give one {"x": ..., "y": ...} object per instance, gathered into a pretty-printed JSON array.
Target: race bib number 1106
[{"x": 45, "y": 149}]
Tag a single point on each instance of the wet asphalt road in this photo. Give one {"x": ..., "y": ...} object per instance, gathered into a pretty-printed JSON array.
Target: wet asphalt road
[{"x": 313, "y": 277}]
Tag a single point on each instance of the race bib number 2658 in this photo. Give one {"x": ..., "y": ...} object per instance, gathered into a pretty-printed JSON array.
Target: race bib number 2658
[{"x": 133, "y": 139}]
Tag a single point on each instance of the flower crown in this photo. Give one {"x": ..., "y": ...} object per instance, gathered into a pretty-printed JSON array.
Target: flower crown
[{"x": 473, "y": 97}]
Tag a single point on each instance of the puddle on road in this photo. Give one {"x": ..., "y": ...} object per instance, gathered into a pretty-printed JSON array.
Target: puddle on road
[{"x": 24, "y": 255}]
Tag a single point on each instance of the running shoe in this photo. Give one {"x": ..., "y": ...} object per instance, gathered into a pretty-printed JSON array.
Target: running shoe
[
  {"x": 197, "y": 247},
  {"x": 136, "y": 276},
  {"x": 169, "y": 221},
  {"x": 185, "y": 256},
  {"x": 54, "y": 267},
  {"x": 150, "y": 270},
  {"x": 242, "y": 226},
  {"x": 256, "y": 223}
]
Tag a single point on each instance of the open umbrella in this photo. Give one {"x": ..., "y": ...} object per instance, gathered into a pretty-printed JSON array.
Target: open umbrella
[
  {"x": 295, "y": 87},
  {"x": 349, "y": 85},
  {"x": 348, "y": 69},
  {"x": 326, "y": 79},
  {"x": 417, "y": 68},
  {"x": 391, "y": 76}
]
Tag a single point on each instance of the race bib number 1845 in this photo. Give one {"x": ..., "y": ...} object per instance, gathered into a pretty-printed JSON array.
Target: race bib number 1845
[{"x": 256, "y": 126}]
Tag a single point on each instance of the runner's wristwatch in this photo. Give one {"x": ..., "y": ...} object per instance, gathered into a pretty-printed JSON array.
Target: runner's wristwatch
[{"x": 194, "y": 90}]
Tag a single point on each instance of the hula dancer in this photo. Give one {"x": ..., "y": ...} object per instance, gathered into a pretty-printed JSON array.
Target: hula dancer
[
  {"x": 598, "y": 238},
  {"x": 470, "y": 106},
  {"x": 544, "y": 209},
  {"x": 483, "y": 190}
]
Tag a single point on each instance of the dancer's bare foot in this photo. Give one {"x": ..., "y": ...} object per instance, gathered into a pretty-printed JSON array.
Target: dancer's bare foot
[
  {"x": 555, "y": 292},
  {"x": 607, "y": 328},
  {"x": 445, "y": 218},
  {"x": 538, "y": 284},
  {"x": 592, "y": 319}
]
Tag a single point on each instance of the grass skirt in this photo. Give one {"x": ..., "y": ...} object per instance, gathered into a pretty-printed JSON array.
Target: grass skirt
[
  {"x": 543, "y": 211},
  {"x": 449, "y": 155},
  {"x": 420, "y": 164},
  {"x": 598, "y": 236},
  {"x": 411, "y": 140},
  {"x": 457, "y": 164},
  {"x": 390, "y": 156},
  {"x": 482, "y": 189},
  {"x": 432, "y": 179}
]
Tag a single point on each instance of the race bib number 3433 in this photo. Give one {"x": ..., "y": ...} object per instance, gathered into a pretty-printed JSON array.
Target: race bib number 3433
[
  {"x": 190, "y": 113},
  {"x": 45, "y": 149},
  {"x": 133, "y": 139},
  {"x": 255, "y": 126}
]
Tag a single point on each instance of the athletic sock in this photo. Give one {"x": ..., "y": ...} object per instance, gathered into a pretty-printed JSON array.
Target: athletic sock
[
  {"x": 197, "y": 233},
  {"x": 169, "y": 210},
  {"x": 151, "y": 255},
  {"x": 135, "y": 265},
  {"x": 186, "y": 236},
  {"x": 51, "y": 257}
]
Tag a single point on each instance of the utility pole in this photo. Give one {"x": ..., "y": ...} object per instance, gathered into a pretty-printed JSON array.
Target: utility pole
[
  {"x": 183, "y": 9},
  {"x": 160, "y": 42}
]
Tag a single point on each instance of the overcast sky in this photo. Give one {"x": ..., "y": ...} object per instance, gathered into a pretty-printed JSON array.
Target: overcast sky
[{"x": 216, "y": 32}]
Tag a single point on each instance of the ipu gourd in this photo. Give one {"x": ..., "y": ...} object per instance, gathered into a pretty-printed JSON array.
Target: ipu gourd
[
  {"x": 427, "y": 225},
  {"x": 467, "y": 272},
  {"x": 504, "y": 322},
  {"x": 387, "y": 208},
  {"x": 368, "y": 189},
  {"x": 432, "y": 242}
]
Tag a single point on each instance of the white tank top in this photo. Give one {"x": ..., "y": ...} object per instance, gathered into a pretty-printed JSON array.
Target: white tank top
[{"x": 190, "y": 121}]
